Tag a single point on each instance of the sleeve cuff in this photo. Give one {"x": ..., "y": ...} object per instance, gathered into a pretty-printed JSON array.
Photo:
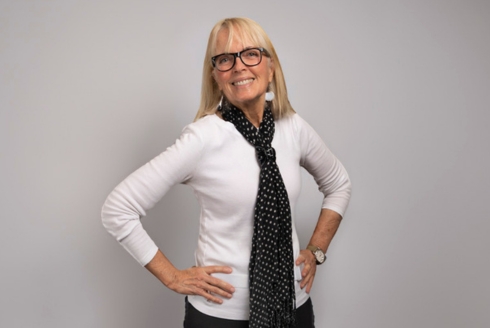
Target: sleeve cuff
[{"x": 139, "y": 244}]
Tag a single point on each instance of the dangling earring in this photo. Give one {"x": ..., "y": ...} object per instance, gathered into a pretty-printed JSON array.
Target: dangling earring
[
  {"x": 219, "y": 108},
  {"x": 269, "y": 96}
]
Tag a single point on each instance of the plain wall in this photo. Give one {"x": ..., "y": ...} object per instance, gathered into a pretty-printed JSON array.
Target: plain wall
[{"x": 399, "y": 90}]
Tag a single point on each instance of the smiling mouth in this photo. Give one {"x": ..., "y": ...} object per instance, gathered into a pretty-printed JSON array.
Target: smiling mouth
[{"x": 243, "y": 82}]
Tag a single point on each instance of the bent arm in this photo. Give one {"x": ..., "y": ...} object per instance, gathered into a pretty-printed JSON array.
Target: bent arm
[
  {"x": 333, "y": 181},
  {"x": 139, "y": 192}
]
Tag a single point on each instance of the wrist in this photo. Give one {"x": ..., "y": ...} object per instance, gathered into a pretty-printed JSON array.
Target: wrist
[
  {"x": 318, "y": 253},
  {"x": 163, "y": 269}
]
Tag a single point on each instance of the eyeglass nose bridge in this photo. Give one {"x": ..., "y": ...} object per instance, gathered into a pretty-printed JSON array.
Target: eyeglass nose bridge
[{"x": 238, "y": 55}]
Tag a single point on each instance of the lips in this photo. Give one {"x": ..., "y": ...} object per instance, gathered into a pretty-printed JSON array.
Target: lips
[{"x": 242, "y": 82}]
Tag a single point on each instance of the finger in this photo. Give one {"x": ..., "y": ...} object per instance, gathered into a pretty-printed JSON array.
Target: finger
[
  {"x": 310, "y": 284},
  {"x": 308, "y": 276},
  {"x": 217, "y": 269},
  {"x": 215, "y": 289},
  {"x": 208, "y": 296},
  {"x": 218, "y": 282},
  {"x": 218, "y": 286},
  {"x": 308, "y": 280},
  {"x": 300, "y": 259},
  {"x": 306, "y": 270},
  {"x": 305, "y": 281}
]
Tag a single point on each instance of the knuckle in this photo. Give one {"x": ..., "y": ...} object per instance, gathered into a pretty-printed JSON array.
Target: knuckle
[{"x": 199, "y": 285}]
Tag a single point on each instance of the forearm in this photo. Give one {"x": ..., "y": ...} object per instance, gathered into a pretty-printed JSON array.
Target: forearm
[{"x": 325, "y": 229}]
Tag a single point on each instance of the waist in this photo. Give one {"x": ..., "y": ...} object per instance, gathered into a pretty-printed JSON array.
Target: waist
[{"x": 237, "y": 307}]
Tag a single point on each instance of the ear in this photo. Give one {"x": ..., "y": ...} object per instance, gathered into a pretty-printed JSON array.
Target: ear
[{"x": 271, "y": 68}]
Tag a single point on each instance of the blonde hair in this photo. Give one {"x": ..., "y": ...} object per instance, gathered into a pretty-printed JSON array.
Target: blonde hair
[{"x": 246, "y": 29}]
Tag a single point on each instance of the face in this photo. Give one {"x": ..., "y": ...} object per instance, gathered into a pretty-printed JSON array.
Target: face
[{"x": 243, "y": 86}]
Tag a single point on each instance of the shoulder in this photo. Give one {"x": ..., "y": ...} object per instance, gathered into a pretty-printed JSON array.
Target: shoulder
[
  {"x": 294, "y": 122},
  {"x": 205, "y": 126},
  {"x": 210, "y": 130},
  {"x": 302, "y": 132}
]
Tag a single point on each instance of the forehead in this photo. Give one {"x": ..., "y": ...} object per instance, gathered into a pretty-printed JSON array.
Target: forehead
[{"x": 233, "y": 41}]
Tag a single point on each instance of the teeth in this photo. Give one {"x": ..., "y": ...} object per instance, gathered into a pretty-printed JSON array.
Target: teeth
[{"x": 243, "y": 82}]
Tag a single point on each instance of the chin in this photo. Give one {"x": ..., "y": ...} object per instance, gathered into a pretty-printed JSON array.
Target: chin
[{"x": 246, "y": 100}]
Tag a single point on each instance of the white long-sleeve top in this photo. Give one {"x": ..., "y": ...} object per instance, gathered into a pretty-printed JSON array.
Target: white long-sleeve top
[{"x": 221, "y": 166}]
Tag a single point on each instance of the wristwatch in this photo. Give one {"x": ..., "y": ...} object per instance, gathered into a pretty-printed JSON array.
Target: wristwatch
[{"x": 318, "y": 253}]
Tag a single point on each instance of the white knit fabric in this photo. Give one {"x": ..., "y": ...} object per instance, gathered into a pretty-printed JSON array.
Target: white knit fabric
[{"x": 214, "y": 159}]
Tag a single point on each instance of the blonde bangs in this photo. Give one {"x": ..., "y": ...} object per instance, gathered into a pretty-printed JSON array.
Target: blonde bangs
[{"x": 250, "y": 35}]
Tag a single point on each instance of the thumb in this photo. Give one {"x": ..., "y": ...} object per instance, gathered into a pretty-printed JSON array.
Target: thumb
[{"x": 300, "y": 259}]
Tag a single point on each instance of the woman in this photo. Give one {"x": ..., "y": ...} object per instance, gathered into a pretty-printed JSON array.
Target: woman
[{"x": 250, "y": 271}]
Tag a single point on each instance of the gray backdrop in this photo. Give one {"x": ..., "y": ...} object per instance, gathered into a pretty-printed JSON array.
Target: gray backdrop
[{"x": 399, "y": 90}]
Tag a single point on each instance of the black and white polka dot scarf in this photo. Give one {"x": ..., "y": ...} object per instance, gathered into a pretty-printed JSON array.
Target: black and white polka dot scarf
[{"x": 271, "y": 268}]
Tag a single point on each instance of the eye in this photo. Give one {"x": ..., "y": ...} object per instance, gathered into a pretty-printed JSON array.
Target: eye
[
  {"x": 252, "y": 53},
  {"x": 222, "y": 60}
]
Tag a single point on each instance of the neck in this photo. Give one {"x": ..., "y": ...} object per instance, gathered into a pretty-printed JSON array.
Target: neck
[
  {"x": 254, "y": 115},
  {"x": 253, "y": 111}
]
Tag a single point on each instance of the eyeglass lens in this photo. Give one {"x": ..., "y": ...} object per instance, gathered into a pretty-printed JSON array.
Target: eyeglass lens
[{"x": 249, "y": 57}]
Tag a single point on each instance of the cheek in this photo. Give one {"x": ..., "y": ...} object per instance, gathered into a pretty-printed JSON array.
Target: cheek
[{"x": 220, "y": 80}]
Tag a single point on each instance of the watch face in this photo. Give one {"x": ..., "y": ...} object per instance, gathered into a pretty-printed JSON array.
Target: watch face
[{"x": 320, "y": 257}]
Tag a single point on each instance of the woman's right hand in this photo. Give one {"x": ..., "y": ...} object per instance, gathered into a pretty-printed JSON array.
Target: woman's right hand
[
  {"x": 198, "y": 281},
  {"x": 192, "y": 281}
]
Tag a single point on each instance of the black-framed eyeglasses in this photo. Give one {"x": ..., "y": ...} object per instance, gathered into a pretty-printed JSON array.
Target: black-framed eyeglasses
[{"x": 249, "y": 57}]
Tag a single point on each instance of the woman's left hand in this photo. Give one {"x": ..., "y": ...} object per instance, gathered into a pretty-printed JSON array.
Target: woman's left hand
[{"x": 308, "y": 273}]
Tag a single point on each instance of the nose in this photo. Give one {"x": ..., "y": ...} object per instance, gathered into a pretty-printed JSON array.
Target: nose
[{"x": 239, "y": 65}]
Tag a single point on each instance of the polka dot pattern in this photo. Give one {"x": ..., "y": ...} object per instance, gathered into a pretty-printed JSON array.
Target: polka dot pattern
[{"x": 271, "y": 268}]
